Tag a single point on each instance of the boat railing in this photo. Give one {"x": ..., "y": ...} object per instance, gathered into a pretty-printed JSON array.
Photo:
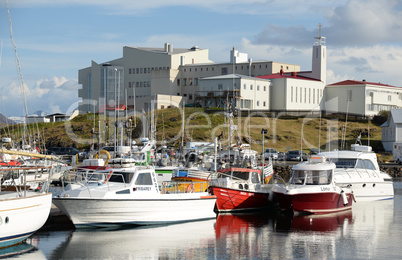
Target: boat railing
[
  {"x": 87, "y": 178},
  {"x": 183, "y": 187},
  {"x": 224, "y": 179},
  {"x": 199, "y": 174}
]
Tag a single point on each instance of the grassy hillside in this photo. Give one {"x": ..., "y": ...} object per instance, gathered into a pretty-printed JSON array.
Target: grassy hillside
[{"x": 283, "y": 134}]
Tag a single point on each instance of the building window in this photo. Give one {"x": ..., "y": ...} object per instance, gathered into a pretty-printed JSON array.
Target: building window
[
  {"x": 291, "y": 94},
  {"x": 137, "y": 84},
  {"x": 196, "y": 81},
  {"x": 220, "y": 86},
  {"x": 251, "y": 87},
  {"x": 149, "y": 83},
  {"x": 309, "y": 95},
  {"x": 185, "y": 82},
  {"x": 313, "y": 95},
  {"x": 149, "y": 70},
  {"x": 244, "y": 86},
  {"x": 295, "y": 94},
  {"x": 190, "y": 96},
  {"x": 258, "y": 87},
  {"x": 141, "y": 70},
  {"x": 265, "y": 88},
  {"x": 258, "y": 103},
  {"x": 141, "y": 84},
  {"x": 349, "y": 95},
  {"x": 264, "y": 104},
  {"x": 301, "y": 95},
  {"x": 138, "y": 70},
  {"x": 389, "y": 97},
  {"x": 129, "y": 71},
  {"x": 305, "y": 95},
  {"x": 224, "y": 71},
  {"x": 178, "y": 82}
]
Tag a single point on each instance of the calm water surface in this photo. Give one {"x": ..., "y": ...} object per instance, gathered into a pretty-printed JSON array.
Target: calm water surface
[{"x": 369, "y": 231}]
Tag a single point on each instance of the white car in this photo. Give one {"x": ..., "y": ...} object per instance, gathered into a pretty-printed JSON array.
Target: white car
[{"x": 271, "y": 153}]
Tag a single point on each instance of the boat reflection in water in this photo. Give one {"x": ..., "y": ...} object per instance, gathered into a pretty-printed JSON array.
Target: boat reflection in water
[
  {"x": 190, "y": 240},
  {"x": 319, "y": 223},
  {"x": 22, "y": 251}
]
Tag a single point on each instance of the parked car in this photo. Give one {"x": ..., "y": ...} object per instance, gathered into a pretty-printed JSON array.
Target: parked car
[
  {"x": 313, "y": 151},
  {"x": 67, "y": 151},
  {"x": 271, "y": 153},
  {"x": 281, "y": 156},
  {"x": 296, "y": 156}
]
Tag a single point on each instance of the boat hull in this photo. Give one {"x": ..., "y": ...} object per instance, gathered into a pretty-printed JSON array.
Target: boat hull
[
  {"x": 228, "y": 200},
  {"x": 313, "y": 203},
  {"x": 162, "y": 209},
  {"x": 21, "y": 217}
]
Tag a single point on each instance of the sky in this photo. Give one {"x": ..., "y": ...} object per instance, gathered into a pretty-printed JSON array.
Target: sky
[{"x": 55, "y": 39}]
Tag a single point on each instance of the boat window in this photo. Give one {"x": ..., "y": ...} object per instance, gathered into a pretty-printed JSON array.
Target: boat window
[
  {"x": 254, "y": 177},
  {"x": 298, "y": 177},
  {"x": 241, "y": 175},
  {"x": 365, "y": 164},
  {"x": 144, "y": 179},
  {"x": 123, "y": 177},
  {"x": 344, "y": 163},
  {"x": 322, "y": 177}
]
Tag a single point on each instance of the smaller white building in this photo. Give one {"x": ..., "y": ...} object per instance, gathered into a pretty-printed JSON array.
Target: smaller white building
[
  {"x": 244, "y": 92},
  {"x": 361, "y": 98},
  {"x": 391, "y": 131}
]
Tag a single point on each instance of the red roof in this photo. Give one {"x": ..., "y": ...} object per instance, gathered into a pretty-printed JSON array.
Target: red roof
[
  {"x": 286, "y": 75},
  {"x": 111, "y": 108},
  {"x": 357, "y": 82}
]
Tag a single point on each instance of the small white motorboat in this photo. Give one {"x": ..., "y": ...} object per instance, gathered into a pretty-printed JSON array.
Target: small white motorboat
[{"x": 131, "y": 196}]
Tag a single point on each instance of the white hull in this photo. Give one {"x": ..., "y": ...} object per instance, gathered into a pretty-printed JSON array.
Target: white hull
[
  {"x": 160, "y": 209},
  {"x": 359, "y": 170},
  {"x": 21, "y": 217},
  {"x": 369, "y": 189}
]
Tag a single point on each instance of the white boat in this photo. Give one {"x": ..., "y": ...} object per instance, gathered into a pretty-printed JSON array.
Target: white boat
[
  {"x": 312, "y": 190},
  {"x": 22, "y": 212},
  {"x": 359, "y": 169},
  {"x": 131, "y": 196}
]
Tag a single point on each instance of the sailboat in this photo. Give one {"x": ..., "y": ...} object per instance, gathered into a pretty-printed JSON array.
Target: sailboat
[{"x": 22, "y": 211}]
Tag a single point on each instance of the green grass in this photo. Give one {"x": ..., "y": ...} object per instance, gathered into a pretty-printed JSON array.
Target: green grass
[{"x": 282, "y": 134}]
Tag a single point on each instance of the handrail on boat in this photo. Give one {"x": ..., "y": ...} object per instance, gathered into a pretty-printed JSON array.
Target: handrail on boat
[{"x": 183, "y": 187}]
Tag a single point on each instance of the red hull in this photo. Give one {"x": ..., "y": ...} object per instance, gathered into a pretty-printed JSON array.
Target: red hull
[
  {"x": 318, "y": 203},
  {"x": 240, "y": 200}
]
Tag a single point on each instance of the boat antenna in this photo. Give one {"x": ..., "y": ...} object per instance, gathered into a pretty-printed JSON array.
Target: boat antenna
[
  {"x": 343, "y": 141},
  {"x": 368, "y": 131},
  {"x": 17, "y": 60},
  {"x": 319, "y": 134}
]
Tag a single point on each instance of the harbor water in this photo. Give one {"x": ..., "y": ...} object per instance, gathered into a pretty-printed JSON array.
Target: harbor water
[{"x": 370, "y": 230}]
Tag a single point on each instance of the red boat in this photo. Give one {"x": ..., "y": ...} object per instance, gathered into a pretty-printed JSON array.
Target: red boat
[
  {"x": 241, "y": 189},
  {"x": 312, "y": 189}
]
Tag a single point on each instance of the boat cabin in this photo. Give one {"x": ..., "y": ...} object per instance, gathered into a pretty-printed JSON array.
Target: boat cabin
[
  {"x": 314, "y": 172},
  {"x": 238, "y": 178}
]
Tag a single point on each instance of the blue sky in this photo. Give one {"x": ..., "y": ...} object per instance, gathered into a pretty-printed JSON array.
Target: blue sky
[{"x": 55, "y": 39}]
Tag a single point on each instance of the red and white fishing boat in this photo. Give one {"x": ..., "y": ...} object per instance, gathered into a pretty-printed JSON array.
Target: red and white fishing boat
[
  {"x": 242, "y": 189},
  {"x": 312, "y": 189}
]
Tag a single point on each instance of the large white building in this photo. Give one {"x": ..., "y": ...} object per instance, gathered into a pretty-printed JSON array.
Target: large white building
[{"x": 143, "y": 73}]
